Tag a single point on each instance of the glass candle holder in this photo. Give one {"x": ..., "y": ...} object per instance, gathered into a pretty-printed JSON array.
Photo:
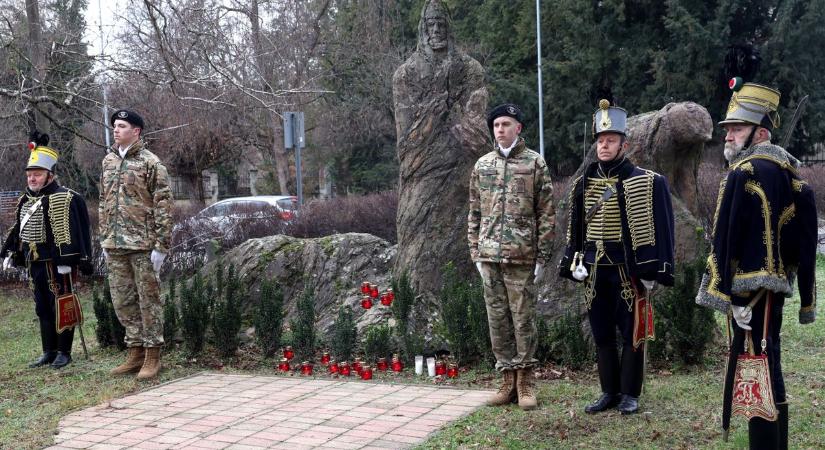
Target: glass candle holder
[
  {"x": 356, "y": 366},
  {"x": 344, "y": 369},
  {"x": 397, "y": 365},
  {"x": 306, "y": 368},
  {"x": 452, "y": 370},
  {"x": 365, "y": 287},
  {"x": 419, "y": 364},
  {"x": 386, "y": 300},
  {"x": 440, "y": 368},
  {"x": 431, "y": 366},
  {"x": 382, "y": 364},
  {"x": 366, "y": 303},
  {"x": 374, "y": 291},
  {"x": 366, "y": 373},
  {"x": 325, "y": 358},
  {"x": 390, "y": 294},
  {"x": 333, "y": 367},
  {"x": 283, "y": 365},
  {"x": 288, "y": 353}
]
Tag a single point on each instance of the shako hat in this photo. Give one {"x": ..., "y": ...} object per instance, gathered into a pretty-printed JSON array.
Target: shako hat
[
  {"x": 753, "y": 104},
  {"x": 40, "y": 156},
  {"x": 609, "y": 119}
]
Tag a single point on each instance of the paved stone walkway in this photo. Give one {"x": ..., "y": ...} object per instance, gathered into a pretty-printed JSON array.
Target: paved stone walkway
[{"x": 216, "y": 411}]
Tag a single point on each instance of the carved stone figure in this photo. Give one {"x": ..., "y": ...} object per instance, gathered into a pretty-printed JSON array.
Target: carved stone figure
[{"x": 440, "y": 102}]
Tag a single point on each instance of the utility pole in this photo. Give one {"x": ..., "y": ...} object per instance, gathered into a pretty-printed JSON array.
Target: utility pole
[
  {"x": 103, "y": 83},
  {"x": 541, "y": 99}
]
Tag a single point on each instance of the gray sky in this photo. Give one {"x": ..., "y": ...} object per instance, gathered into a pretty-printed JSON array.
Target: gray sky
[{"x": 104, "y": 9}]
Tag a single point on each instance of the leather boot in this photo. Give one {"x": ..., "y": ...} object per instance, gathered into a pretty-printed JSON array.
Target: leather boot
[
  {"x": 64, "y": 349},
  {"x": 526, "y": 391},
  {"x": 783, "y": 426},
  {"x": 48, "y": 340},
  {"x": 605, "y": 402},
  {"x": 629, "y": 404},
  {"x": 507, "y": 391},
  {"x": 133, "y": 363},
  {"x": 151, "y": 364},
  {"x": 763, "y": 434}
]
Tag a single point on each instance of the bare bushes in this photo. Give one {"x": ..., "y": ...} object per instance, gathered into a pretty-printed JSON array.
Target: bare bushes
[{"x": 373, "y": 214}]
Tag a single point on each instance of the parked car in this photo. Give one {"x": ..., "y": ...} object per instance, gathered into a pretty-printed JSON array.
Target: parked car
[{"x": 234, "y": 220}]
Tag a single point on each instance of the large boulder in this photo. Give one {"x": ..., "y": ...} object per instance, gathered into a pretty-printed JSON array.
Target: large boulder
[
  {"x": 333, "y": 266},
  {"x": 669, "y": 141}
]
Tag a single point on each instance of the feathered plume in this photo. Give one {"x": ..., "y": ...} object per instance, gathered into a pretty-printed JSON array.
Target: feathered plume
[{"x": 742, "y": 61}]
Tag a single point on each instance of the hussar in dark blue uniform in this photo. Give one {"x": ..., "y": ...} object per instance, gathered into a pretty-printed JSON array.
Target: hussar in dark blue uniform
[
  {"x": 620, "y": 244},
  {"x": 764, "y": 237},
  {"x": 51, "y": 238}
]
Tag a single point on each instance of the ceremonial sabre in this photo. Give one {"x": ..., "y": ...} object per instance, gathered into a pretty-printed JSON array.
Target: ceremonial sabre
[
  {"x": 800, "y": 108},
  {"x": 80, "y": 321}
]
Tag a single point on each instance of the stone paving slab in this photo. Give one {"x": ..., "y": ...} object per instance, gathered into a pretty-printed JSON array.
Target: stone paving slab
[{"x": 219, "y": 411}]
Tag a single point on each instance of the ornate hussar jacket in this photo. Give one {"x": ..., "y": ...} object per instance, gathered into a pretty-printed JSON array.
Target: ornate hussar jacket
[
  {"x": 764, "y": 233},
  {"x": 633, "y": 228},
  {"x": 135, "y": 201},
  {"x": 511, "y": 218},
  {"x": 57, "y": 230}
]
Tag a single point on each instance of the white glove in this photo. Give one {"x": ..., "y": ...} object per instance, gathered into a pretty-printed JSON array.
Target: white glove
[
  {"x": 157, "y": 259},
  {"x": 478, "y": 266},
  {"x": 742, "y": 315},
  {"x": 105, "y": 254},
  {"x": 7, "y": 264},
  {"x": 63, "y": 270},
  {"x": 537, "y": 270},
  {"x": 580, "y": 273},
  {"x": 649, "y": 285}
]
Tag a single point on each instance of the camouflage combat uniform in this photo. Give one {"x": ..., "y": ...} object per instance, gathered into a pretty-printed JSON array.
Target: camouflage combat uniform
[
  {"x": 135, "y": 218},
  {"x": 510, "y": 229}
]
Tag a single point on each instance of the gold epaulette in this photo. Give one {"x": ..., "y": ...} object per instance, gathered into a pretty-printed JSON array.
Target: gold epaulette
[
  {"x": 59, "y": 217},
  {"x": 638, "y": 193}
]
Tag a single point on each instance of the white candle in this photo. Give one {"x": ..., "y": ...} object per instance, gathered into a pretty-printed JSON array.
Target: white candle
[
  {"x": 431, "y": 367},
  {"x": 419, "y": 364}
]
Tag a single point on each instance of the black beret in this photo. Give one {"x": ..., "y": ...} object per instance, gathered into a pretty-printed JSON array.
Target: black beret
[
  {"x": 128, "y": 116},
  {"x": 505, "y": 109}
]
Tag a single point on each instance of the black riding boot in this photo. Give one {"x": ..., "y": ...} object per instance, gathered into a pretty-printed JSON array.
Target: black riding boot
[
  {"x": 48, "y": 340},
  {"x": 608, "y": 362},
  {"x": 783, "y": 426},
  {"x": 64, "y": 348},
  {"x": 632, "y": 378},
  {"x": 763, "y": 434}
]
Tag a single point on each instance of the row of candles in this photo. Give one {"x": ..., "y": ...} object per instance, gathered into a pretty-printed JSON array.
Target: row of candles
[
  {"x": 372, "y": 295},
  {"x": 365, "y": 371}
]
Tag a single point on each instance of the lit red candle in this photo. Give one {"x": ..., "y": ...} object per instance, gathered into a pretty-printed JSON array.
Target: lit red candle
[
  {"x": 325, "y": 359},
  {"x": 440, "y": 368},
  {"x": 306, "y": 368},
  {"x": 366, "y": 373},
  {"x": 390, "y": 294},
  {"x": 283, "y": 365},
  {"x": 366, "y": 303},
  {"x": 356, "y": 366},
  {"x": 397, "y": 365},
  {"x": 452, "y": 370},
  {"x": 344, "y": 369},
  {"x": 333, "y": 367},
  {"x": 386, "y": 300},
  {"x": 365, "y": 288},
  {"x": 382, "y": 364},
  {"x": 288, "y": 353},
  {"x": 374, "y": 291}
]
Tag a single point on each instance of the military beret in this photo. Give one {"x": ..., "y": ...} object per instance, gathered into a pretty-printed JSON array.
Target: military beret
[
  {"x": 505, "y": 109},
  {"x": 128, "y": 116}
]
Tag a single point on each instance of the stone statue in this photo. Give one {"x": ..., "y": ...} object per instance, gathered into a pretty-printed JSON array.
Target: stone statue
[{"x": 440, "y": 104}]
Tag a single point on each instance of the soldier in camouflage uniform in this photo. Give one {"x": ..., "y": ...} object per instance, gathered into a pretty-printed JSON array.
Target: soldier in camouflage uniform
[
  {"x": 51, "y": 238},
  {"x": 135, "y": 230},
  {"x": 510, "y": 230}
]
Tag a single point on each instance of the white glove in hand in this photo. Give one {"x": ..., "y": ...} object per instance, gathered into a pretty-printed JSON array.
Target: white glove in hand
[
  {"x": 537, "y": 270},
  {"x": 7, "y": 264},
  {"x": 580, "y": 273},
  {"x": 742, "y": 315},
  {"x": 649, "y": 285},
  {"x": 105, "y": 254},
  {"x": 63, "y": 270},
  {"x": 478, "y": 266},
  {"x": 157, "y": 259}
]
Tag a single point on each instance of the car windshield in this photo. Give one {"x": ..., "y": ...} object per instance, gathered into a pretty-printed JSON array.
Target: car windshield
[{"x": 288, "y": 204}]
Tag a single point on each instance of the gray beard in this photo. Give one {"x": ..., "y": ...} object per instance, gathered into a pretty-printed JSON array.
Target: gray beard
[{"x": 731, "y": 150}]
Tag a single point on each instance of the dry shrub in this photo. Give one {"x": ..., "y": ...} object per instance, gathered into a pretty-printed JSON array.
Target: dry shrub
[
  {"x": 373, "y": 214},
  {"x": 708, "y": 179}
]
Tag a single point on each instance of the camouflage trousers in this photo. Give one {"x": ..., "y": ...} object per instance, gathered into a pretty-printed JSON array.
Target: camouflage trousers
[
  {"x": 136, "y": 297},
  {"x": 509, "y": 293}
]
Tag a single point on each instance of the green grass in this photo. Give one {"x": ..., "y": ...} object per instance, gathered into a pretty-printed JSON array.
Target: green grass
[{"x": 682, "y": 405}]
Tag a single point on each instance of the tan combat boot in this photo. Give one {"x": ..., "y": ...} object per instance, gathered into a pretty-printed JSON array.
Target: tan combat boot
[
  {"x": 134, "y": 361},
  {"x": 526, "y": 392},
  {"x": 506, "y": 392},
  {"x": 151, "y": 365}
]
